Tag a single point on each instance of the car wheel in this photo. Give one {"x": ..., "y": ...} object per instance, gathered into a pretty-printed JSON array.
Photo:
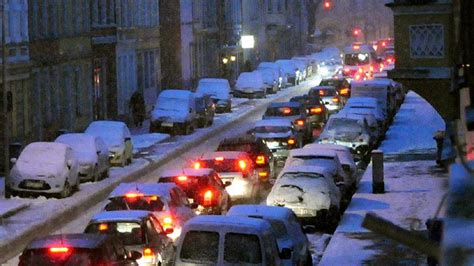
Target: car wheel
[
  {"x": 66, "y": 191},
  {"x": 8, "y": 193},
  {"x": 129, "y": 160}
]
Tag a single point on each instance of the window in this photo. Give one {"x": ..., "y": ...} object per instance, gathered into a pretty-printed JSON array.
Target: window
[
  {"x": 427, "y": 41},
  {"x": 270, "y": 6},
  {"x": 242, "y": 248},
  {"x": 280, "y": 6},
  {"x": 200, "y": 246}
]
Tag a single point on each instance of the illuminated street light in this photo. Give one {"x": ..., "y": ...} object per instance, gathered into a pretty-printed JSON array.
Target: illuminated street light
[
  {"x": 225, "y": 60},
  {"x": 232, "y": 58},
  {"x": 247, "y": 41}
]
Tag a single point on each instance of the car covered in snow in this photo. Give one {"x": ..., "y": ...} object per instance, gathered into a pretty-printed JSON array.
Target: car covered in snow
[
  {"x": 383, "y": 90},
  {"x": 332, "y": 101},
  {"x": 219, "y": 90},
  {"x": 139, "y": 231},
  {"x": 235, "y": 167},
  {"x": 350, "y": 131},
  {"x": 270, "y": 78},
  {"x": 282, "y": 79},
  {"x": 174, "y": 112},
  {"x": 360, "y": 104},
  {"x": 44, "y": 168},
  {"x": 279, "y": 135},
  {"x": 118, "y": 139},
  {"x": 202, "y": 186},
  {"x": 205, "y": 110},
  {"x": 294, "y": 112},
  {"x": 225, "y": 240},
  {"x": 291, "y": 71},
  {"x": 309, "y": 191},
  {"x": 91, "y": 153},
  {"x": 286, "y": 227},
  {"x": 167, "y": 202},
  {"x": 376, "y": 130},
  {"x": 250, "y": 85}
]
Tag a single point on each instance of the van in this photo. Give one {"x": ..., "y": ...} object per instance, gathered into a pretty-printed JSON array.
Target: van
[
  {"x": 174, "y": 112},
  {"x": 225, "y": 240}
]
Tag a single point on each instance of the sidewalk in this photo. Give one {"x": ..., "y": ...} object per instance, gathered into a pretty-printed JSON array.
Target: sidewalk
[{"x": 413, "y": 192}]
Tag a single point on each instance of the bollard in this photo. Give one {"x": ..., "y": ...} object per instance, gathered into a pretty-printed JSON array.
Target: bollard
[{"x": 378, "y": 186}]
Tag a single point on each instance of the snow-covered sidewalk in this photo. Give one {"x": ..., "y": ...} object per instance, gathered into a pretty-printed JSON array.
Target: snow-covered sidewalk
[{"x": 413, "y": 192}]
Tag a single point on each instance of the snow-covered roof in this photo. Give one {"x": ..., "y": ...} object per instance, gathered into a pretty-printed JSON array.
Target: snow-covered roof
[
  {"x": 78, "y": 141},
  {"x": 326, "y": 146},
  {"x": 363, "y": 48},
  {"x": 271, "y": 65},
  {"x": 127, "y": 215},
  {"x": 362, "y": 100},
  {"x": 147, "y": 189},
  {"x": 68, "y": 240},
  {"x": 353, "y": 112},
  {"x": 42, "y": 158},
  {"x": 176, "y": 94},
  {"x": 186, "y": 171},
  {"x": 346, "y": 115},
  {"x": 313, "y": 152},
  {"x": 219, "y": 88},
  {"x": 305, "y": 169},
  {"x": 221, "y": 221},
  {"x": 250, "y": 79},
  {"x": 273, "y": 123},
  {"x": 105, "y": 129},
  {"x": 225, "y": 154},
  {"x": 214, "y": 80},
  {"x": 285, "y": 104},
  {"x": 264, "y": 211},
  {"x": 323, "y": 88}
]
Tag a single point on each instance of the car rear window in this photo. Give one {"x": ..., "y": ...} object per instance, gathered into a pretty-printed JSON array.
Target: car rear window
[
  {"x": 246, "y": 147},
  {"x": 272, "y": 129},
  {"x": 200, "y": 246},
  {"x": 282, "y": 111},
  {"x": 143, "y": 203},
  {"x": 131, "y": 233},
  {"x": 322, "y": 92},
  {"x": 242, "y": 248},
  {"x": 334, "y": 83},
  {"x": 74, "y": 257},
  {"x": 224, "y": 166},
  {"x": 278, "y": 228}
]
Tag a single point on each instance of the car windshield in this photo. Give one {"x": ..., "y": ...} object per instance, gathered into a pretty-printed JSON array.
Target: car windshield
[
  {"x": 144, "y": 203},
  {"x": 172, "y": 104},
  {"x": 242, "y": 249},
  {"x": 344, "y": 124},
  {"x": 246, "y": 147},
  {"x": 272, "y": 129},
  {"x": 295, "y": 175},
  {"x": 131, "y": 233},
  {"x": 356, "y": 59},
  {"x": 282, "y": 111},
  {"x": 75, "y": 257},
  {"x": 200, "y": 246}
]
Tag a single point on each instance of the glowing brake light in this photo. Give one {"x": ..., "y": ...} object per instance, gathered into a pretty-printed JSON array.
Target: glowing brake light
[
  {"x": 335, "y": 100},
  {"x": 322, "y": 93},
  {"x": 291, "y": 141},
  {"x": 103, "y": 227},
  {"x": 260, "y": 159},
  {"x": 197, "y": 165},
  {"x": 358, "y": 77},
  {"x": 347, "y": 70},
  {"x": 182, "y": 178},
  {"x": 286, "y": 111},
  {"x": 345, "y": 91},
  {"x": 55, "y": 250},
  {"x": 361, "y": 70},
  {"x": 242, "y": 164},
  {"x": 316, "y": 110},
  {"x": 371, "y": 68},
  {"x": 384, "y": 44},
  {"x": 300, "y": 122},
  {"x": 262, "y": 174},
  {"x": 133, "y": 195},
  {"x": 167, "y": 221},
  {"x": 148, "y": 254},
  {"x": 208, "y": 198},
  {"x": 220, "y": 159},
  {"x": 356, "y": 47}
]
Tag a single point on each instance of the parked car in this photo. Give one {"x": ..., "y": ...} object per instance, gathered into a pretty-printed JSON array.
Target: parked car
[
  {"x": 376, "y": 130},
  {"x": 205, "y": 110},
  {"x": 306, "y": 63},
  {"x": 290, "y": 70},
  {"x": 360, "y": 104},
  {"x": 44, "y": 168},
  {"x": 139, "y": 231},
  {"x": 250, "y": 85},
  {"x": 294, "y": 112},
  {"x": 349, "y": 131},
  {"x": 270, "y": 78},
  {"x": 342, "y": 85},
  {"x": 310, "y": 192},
  {"x": 381, "y": 89},
  {"x": 219, "y": 90},
  {"x": 265, "y": 162},
  {"x": 167, "y": 202},
  {"x": 91, "y": 153},
  {"x": 279, "y": 135},
  {"x": 225, "y": 240},
  {"x": 282, "y": 79},
  {"x": 286, "y": 227},
  {"x": 234, "y": 167},
  {"x": 303, "y": 67},
  {"x": 77, "y": 249},
  {"x": 174, "y": 112},
  {"x": 118, "y": 139},
  {"x": 332, "y": 101},
  {"x": 202, "y": 186}
]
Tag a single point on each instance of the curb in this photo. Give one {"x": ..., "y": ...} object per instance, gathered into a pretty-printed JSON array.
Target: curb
[{"x": 49, "y": 225}]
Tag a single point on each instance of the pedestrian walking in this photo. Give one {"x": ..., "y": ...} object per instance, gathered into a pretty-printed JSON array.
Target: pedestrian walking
[{"x": 137, "y": 104}]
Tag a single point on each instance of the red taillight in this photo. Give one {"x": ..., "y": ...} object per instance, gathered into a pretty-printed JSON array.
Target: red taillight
[
  {"x": 347, "y": 70},
  {"x": 242, "y": 164},
  {"x": 182, "y": 178},
  {"x": 167, "y": 220},
  {"x": 260, "y": 159},
  {"x": 371, "y": 68},
  {"x": 322, "y": 93},
  {"x": 133, "y": 195},
  {"x": 263, "y": 174},
  {"x": 316, "y": 110},
  {"x": 291, "y": 141},
  {"x": 148, "y": 254},
  {"x": 197, "y": 165},
  {"x": 103, "y": 227},
  {"x": 59, "y": 250},
  {"x": 220, "y": 159},
  {"x": 358, "y": 77},
  {"x": 335, "y": 100},
  {"x": 286, "y": 110},
  {"x": 208, "y": 195},
  {"x": 345, "y": 91},
  {"x": 299, "y": 122},
  {"x": 361, "y": 70}
]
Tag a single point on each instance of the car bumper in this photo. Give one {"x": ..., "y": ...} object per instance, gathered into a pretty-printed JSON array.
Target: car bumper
[
  {"x": 240, "y": 189},
  {"x": 165, "y": 127},
  {"x": 245, "y": 94},
  {"x": 43, "y": 186},
  {"x": 86, "y": 173},
  {"x": 116, "y": 159}
]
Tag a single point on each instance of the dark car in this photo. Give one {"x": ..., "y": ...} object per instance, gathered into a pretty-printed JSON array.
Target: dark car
[
  {"x": 316, "y": 111},
  {"x": 205, "y": 110},
  {"x": 203, "y": 186},
  {"x": 342, "y": 85},
  {"x": 296, "y": 113},
  {"x": 140, "y": 231},
  {"x": 258, "y": 151},
  {"x": 77, "y": 249}
]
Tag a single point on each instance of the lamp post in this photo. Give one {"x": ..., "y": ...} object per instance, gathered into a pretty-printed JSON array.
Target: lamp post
[{"x": 6, "y": 125}]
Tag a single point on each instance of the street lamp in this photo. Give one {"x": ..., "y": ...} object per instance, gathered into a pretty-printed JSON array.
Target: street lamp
[
  {"x": 225, "y": 60},
  {"x": 232, "y": 58},
  {"x": 247, "y": 41}
]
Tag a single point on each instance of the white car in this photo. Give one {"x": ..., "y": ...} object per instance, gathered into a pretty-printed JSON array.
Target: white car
[
  {"x": 288, "y": 230},
  {"x": 91, "y": 153},
  {"x": 250, "y": 85},
  {"x": 166, "y": 200},
  {"x": 370, "y": 104},
  {"x": 118, "y": 139},
  {"x": 44, "y": 168},
  {"x": 270, "y": 78},
  {"x": 219, "y": 90},
  {"x": 225, "y": 240},
  {"x": 290, "y": 70},
  {"x": 309, "y": 191},
  {"x": 375, "y": 126},
  {"x": 282, "y": 80}
]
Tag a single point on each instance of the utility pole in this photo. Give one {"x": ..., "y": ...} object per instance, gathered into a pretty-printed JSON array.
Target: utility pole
[{"x": 5, "y": 120}]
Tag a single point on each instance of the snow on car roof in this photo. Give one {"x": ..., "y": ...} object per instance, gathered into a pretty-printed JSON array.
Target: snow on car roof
[
  {"x": 273, "y": 122},
  {"x": 187, "y": 171},
  {"x": 54, "y": 151},
  {"x": 259, "y": 210},
  {"x": 285, "y": 104},
  {"x": 313, "y": 152},
  {"x": 348, "y": 116},
  {"x": 105, "y": 126},
  {"x": 326, "y": 146},
  {"x": 225, "y": 154},
  {"x": 363, "y": 100},
  {"x": 305, "y": 169},
  {"x": 219, "y": 221},
  {"x": 268, "y": 64},
  {"x": 214, "y": 80},
  {"x": 150, "y": 189},
  {"x": 176, "y": 94},
  {"x": 69, "y": 240},
  {"x": 127, "y": 215},
  {"x": 250, "y": 79}
]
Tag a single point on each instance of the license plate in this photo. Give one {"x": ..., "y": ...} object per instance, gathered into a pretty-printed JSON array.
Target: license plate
[
  {"x": 166, "y": 124},
  {"x": 31, "y": 184},
  {"x": 303, "y": 211}
]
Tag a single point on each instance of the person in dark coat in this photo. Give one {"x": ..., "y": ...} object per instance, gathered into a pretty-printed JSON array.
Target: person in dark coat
[{"x": 137, "y": 104}]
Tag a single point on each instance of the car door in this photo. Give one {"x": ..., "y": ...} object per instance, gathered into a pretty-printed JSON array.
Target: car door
[
  {"x": 181, "y": 205},
  {"x": 73, "y": 168},
  {"x": 217, "y": 184}
]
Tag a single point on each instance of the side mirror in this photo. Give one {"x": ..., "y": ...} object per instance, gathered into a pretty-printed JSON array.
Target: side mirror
[
  {"x": 169, "y": 230},
  {"x": 135, "y": 255},
  {"x": 285, "y": 254},
  {"x": 227, "y": 183},
  {"x": 13, "y": 160}
]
